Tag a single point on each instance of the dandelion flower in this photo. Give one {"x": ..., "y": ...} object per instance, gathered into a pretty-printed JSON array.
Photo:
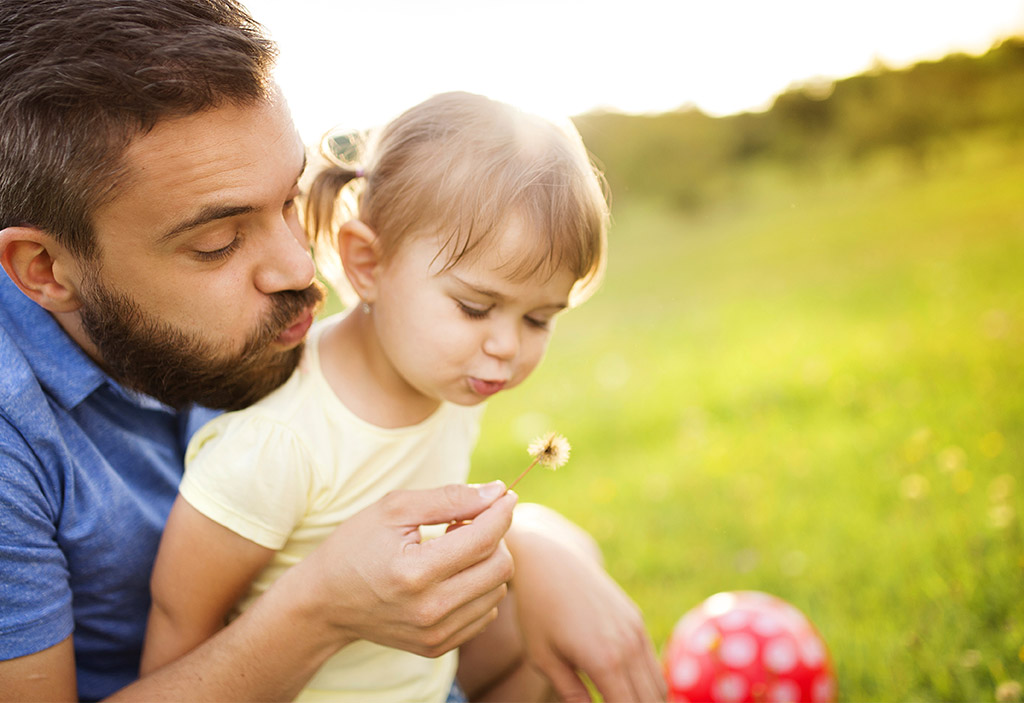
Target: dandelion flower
[{"x": 550, "y": 451}]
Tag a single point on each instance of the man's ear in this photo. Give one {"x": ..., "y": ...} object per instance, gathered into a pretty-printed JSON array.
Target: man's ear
[
  {"x": 43, "y": 269},
  {"x": 358, "y": 248}
]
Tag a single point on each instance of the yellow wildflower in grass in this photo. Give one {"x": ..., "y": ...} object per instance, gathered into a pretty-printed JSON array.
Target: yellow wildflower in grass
[{"x": 550, "y": 450}]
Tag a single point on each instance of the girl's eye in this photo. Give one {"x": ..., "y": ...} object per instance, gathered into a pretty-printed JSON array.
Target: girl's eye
[
  {"x": 539, "y": 324},
  {"x": 472, "y": 312},
  {"x": 218, "y": 254}
]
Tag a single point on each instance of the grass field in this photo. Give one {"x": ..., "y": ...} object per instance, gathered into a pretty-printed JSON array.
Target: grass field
[{"x": 816, "y": 391}]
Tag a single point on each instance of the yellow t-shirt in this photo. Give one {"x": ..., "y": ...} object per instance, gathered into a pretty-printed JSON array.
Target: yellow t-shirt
[{"x": 286, "y": 471}]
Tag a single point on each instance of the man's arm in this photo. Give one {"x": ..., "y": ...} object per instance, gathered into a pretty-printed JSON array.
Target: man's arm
[
  {"x": 372, "y": 579},
  {"x": 35, "y": 602}
]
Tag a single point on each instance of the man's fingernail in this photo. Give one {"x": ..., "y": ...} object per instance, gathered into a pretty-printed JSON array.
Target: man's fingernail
[{"x": 491, "y": 491}]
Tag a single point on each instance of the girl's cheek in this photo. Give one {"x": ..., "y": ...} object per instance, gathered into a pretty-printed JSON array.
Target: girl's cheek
[{"x": 531, "y": 365}]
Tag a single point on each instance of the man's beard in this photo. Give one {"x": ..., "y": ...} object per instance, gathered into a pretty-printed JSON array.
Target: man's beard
[{"x": 178, "y": 368}]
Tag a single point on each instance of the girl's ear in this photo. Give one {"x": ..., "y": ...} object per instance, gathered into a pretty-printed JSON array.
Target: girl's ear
[
  {"x": 42, "y": 268},
  {"x": 358, "y": 249}
]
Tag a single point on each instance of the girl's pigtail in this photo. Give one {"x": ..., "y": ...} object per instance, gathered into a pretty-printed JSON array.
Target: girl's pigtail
[
  {"x": 322, "y": 200},
  {"x": 328, "y": 204}
]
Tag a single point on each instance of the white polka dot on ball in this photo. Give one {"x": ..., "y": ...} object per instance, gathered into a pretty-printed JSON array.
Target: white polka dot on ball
[
  {"x": 729, "y": 688},
  {"x": 704, "y": 639},
  {"x": 734, "y": 620},
  {"x": 766, "y": 625},
  {"x": 685, "y": 672},
  {"x": 783, "y": 691},
  {"x": 824, "y": 689},
  {"x": 738, "y": 650},
  {"x": 812, "y": 651},
  {"x": 779, "y": 655}
]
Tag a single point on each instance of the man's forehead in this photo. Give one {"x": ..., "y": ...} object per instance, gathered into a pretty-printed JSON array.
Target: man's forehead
[
  {"x": 228, "y": 157},
  {"x": 227, "y": 137}
]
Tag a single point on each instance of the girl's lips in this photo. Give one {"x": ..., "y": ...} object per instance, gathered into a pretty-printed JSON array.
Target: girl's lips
[
  {"x": 486, "y": 388},
  {"x": 297, "y": 332}
]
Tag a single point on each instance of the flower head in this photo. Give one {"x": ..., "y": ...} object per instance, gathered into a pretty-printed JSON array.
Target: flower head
[{"x": 550, "y": 450}]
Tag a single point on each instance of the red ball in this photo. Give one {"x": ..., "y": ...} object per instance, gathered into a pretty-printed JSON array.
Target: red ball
[{"x": 747, "y": 647}]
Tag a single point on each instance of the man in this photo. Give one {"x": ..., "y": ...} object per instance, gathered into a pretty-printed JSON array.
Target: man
[{"x": 155, "y": 266}]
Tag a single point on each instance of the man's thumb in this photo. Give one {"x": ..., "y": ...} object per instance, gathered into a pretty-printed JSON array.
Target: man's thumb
[{"x": 454, "y": 502}]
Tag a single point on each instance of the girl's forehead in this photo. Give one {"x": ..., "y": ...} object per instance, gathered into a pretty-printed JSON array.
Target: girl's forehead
[{"x": 511, "y": 243}]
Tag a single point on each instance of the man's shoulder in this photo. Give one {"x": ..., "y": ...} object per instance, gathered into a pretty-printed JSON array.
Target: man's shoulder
[
  {"x": 19, "y": 386},
  {"x": 27, "y": 421},
  {"x": 40, "y": 361},
  {"x": 32, "y": 415}
]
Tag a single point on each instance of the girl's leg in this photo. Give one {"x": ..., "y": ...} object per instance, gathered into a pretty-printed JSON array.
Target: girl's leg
[{"x": 493, "y": 665}]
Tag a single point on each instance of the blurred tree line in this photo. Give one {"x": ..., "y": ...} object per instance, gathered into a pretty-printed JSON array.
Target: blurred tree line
[{"x": 690, "y": 159}]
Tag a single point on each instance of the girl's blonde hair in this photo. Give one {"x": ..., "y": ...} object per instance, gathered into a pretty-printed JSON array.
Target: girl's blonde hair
[{"x": 463, "y": 167}]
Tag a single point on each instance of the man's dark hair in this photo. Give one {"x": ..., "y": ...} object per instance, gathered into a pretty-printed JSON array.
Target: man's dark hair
[{"x": 79, "y": 79}]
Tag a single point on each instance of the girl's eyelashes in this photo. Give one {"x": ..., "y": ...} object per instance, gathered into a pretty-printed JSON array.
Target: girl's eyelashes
[
  {"x": 218, "y": 254},
  {"x": 476, "y": 313},
  {"x": 473, "y": 312}
]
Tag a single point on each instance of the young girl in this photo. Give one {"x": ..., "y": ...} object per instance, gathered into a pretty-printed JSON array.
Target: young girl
[{"x": 476, "y": 225}]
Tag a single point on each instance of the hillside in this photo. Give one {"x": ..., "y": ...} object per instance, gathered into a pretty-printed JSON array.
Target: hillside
[{"x": 689, "y": 159}]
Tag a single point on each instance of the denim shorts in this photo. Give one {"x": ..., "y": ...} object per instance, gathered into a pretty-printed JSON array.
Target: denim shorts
[{"x": 457, "y": 695}]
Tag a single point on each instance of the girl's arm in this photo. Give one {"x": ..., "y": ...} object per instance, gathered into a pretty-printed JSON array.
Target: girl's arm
[
  {"x": 574, "y": 617},
  {"x": 202, "y": 569}
]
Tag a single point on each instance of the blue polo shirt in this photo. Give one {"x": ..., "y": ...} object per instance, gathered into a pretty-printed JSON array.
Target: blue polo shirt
[{"x": 88, "y": 472}]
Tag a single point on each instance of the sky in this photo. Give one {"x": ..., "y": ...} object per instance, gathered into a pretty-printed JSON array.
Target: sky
[{"x": 357, "y": 64}]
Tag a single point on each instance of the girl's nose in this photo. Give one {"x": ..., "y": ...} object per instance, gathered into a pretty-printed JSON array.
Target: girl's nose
[{"x": 502, "y": 341}]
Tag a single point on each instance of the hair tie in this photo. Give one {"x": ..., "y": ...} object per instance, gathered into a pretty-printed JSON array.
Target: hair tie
[{"x": 359, "y": 173}]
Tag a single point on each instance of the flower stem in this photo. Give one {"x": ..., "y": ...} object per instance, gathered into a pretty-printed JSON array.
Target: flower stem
[{"x": 513, "y": 484}]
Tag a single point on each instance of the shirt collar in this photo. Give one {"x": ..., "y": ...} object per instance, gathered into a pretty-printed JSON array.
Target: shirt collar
[{"x": 62, "y": 367}]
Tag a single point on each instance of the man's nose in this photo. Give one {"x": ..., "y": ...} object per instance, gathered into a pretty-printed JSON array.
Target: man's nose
[{"x": 287, "y": 263}]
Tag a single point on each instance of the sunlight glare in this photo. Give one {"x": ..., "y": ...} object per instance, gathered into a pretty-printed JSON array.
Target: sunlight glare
[{"x": 360, "y": 64}]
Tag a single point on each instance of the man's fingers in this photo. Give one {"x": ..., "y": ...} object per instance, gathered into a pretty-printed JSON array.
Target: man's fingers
[
  {"x": 437, "y": 506},
  {"x": 477, "y": 615},
  {"x": 448, "y": 625},
  {"x": 481, "y": 578},
  {"x": 473, "y": 543}
]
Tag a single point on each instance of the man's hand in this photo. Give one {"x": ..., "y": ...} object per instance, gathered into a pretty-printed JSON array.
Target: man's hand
[
  {"x": 375, "y": 580},
  {"x": 574, "y": 617}
]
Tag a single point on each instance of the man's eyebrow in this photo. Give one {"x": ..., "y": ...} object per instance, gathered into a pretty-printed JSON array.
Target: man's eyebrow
[
  {"x": 208, "y": 214},
  {"x": 212, "y": 213}
]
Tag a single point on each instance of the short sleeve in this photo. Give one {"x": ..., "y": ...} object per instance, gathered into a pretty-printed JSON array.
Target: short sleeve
[
  {"x": 250, "y": 474},
  {"x": 35, "y": 591}
]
